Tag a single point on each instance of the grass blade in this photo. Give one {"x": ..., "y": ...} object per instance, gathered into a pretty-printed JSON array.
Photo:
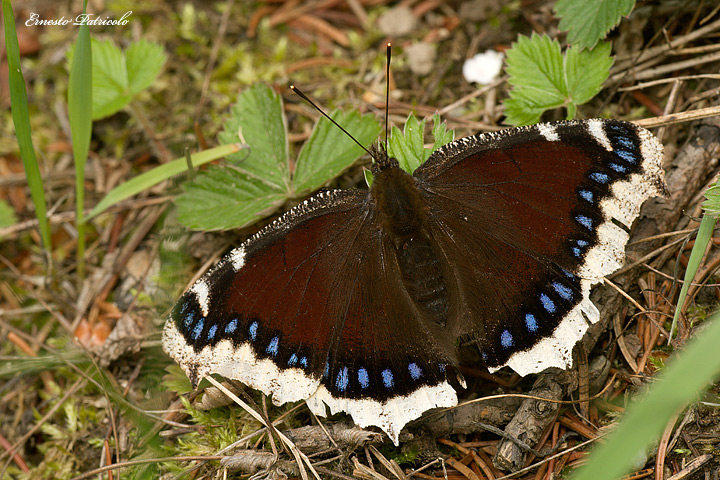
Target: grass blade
[
  {"x": 707, "y": 224},
  {"x": 685, "y": 375},
  {"x": 80, "y": 113},
  {"x": 158, "y": 174},
  {"x": 21, "y": 120}
]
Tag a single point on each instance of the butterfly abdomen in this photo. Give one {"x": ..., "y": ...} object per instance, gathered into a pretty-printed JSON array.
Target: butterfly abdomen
[
  {"x": 403, "y": 217},
  {"x": 423, "y": 278}
]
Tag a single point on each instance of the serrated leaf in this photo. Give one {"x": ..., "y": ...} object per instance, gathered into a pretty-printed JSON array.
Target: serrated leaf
[
  {"x": 144, "y": 62},
  {"x": 176, "y": 380},
  {"x": 258, "y": 116},
  {"x": 589, "y": 22},
  {"x": 586, "y": 71},
  {"x": 118, "y": 77},
  {"x": 329, "y": 151},
  {"x": 223, "y": 197},
  {"x": 408, "y": 146},
  {"x": 711, "y": 205},
  {"x": 543, "y": 78},
  {"x": 109, "y": 78},
  {"x": 520, "y": 112},
  {"x": 441, "y": 134},
  {"x": 368, "y": 177}
]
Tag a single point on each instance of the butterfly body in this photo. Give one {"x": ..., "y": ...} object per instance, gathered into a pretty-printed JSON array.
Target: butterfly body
[
  {"x": 403, "y": 223},
  {"x": 355, "y": 300}
]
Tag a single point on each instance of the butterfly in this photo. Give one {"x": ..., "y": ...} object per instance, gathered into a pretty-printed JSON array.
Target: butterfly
[{"x": 355, "y": 300}]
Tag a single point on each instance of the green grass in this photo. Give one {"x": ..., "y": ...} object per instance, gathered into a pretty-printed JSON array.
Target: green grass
[
  {"x": 21, "y": 120},
  {"x": 80, "y": 112}
]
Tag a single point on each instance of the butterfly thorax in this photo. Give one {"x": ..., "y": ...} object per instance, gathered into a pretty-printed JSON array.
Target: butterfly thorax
[{"x": 402, "y": 215}]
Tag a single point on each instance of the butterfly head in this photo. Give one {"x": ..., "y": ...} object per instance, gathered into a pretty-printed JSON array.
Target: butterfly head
[{"x": 381, "y": 159}]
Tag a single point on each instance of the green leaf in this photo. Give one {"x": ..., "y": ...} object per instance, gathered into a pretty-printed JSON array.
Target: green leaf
[
  {"x": 585, "y": 72},
  {"x": 259, "y": 119},
  {"x": 176, "y": 380},
  {"x": 158, "y": 174},
  {"x": 80, "y": 102},
  {"x": 257, "y": 183},
  {"x": 440, "y": 132},
  {"x": 144, "y": 62},
  {"x": 21, "y": 121},
  {"x": 705, "y": 230},
  {"x": 328, "y": 151},
  {"x": 258, "y": 180},
  {"x": 109, "y": 79},
  {"x": 685, "y": 375},
  {"x": 589, "y": 22},
  {"x": 223, "y": 197},
  {"x": 118, "y": 77},
  {"x": 408, "y": 147},
  {"x": 711, "y": 205},
  {"x": 543, "y": 78},
  {"x": 7, "y": 215}
]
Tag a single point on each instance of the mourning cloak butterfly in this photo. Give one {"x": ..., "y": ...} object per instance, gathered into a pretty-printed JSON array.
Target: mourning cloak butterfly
[{"x": 355, "y": 299}]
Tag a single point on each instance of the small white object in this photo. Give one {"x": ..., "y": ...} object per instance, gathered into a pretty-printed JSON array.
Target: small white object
[{"x": 483, "y": 68}]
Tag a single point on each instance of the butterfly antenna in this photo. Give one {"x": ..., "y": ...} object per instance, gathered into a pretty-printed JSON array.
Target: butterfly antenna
[
  {"x": 387, "y": 94},
  {"x": 304, "y": 97}
]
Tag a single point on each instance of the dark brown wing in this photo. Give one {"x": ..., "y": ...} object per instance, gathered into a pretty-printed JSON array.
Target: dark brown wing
[
  {"x": 312, "y": 308},
  {"x": 526, "y": 220}
]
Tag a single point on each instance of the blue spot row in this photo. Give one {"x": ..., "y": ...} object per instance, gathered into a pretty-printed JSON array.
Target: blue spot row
[
  {"x": 626, "y": 155},
  {"x": 585, "y": 221},
  {"x": 197, "y": 330},
  {"x": 387, "y": 377},
  {"x": 342, "y": 380},
  {"x": 253, "y": 330},
  {"x": 579, "y": 248},
  {"x": 506, "y": 339},
  {"x": 599, "y": 177},
  {"x": 625, "y": 142},
  {"x": 587, "y": 195},
  {"x": 616, "y": 166},
  {"x": 231, "y": 326},
  {"x": 563, "y": 290},
  {"x": 189, "y": 319},
  {"x": 531, "y": 322},
  {"x": 363, "y": 378},
  {"x": 212, "y": 331},
  {"x": 547, "y": 303},
  {"x": 415, "y": 371},
  {"x": 568, "y": 274},
  {"x": 272, "y": 347}
]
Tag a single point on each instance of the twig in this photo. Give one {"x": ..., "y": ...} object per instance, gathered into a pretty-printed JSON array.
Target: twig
[
  {"x": 665, "y": 69},
  {"x": 679, "y": 117}
]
